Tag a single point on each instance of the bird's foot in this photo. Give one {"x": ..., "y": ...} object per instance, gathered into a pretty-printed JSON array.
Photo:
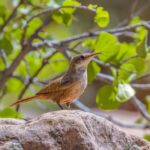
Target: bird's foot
[{"x": 60, "y": 106}]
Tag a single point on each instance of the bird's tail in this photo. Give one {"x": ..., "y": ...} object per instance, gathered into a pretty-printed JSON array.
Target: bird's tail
[{"x": 24, "y": 100}]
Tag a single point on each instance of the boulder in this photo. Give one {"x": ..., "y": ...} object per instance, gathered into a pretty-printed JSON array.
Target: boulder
[{"x": 66, "y": 130}]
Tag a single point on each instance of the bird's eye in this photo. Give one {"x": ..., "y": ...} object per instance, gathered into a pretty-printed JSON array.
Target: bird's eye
[{"x": 82, "y": 57}]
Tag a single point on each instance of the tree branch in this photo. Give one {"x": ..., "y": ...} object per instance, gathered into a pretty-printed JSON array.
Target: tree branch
[
  {"x": 140, "y": 106},
  {"x": 57, "y": 43},
  {"x": 81, "y": 106},
  {"x": 137, "y": 13},
  {"x": 141, "y": 77},
  {"x": 50, "y": 11},
  {"x": 30, "y": 81},
  {"x": 11, "y": 16},
  {"x": 4, "y": 57},
  {"x": 7, "y": 73}
]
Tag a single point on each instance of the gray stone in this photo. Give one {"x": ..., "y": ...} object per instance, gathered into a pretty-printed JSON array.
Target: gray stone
[{"x": 66, "y": 130}]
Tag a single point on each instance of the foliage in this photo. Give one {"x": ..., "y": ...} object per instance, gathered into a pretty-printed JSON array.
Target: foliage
[
  {"x": 28, "y": 41},
  {"x": 10, "y": 113}
]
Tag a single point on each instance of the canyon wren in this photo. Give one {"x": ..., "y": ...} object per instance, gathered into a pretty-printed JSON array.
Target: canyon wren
[{"x": 67, "y": 87}]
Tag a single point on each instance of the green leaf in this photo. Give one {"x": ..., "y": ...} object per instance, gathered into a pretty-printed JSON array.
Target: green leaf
[
  {"x": 140, "y": 120},
  {"x": 6, "y": 45},
  {"x": 147, "y": 137},
  {"x": 125, "y": 75},
  {"x": 125, "y": 92},
  {"x": 90, "y": 43},
  {"x": 92, "y": 71},
  {"x": 135, "y": 20},
  {"x": 107, "y": 44},
  {"x": 10, "y": 113},
  {"x": 2, "y": 10},
  {"x": 58, "y": 17},
  {"x": 34, "y": 61},
  {"x": 33, "y": 25},
  {"x": 58, "y": 63},
  {"x": 70, "y": 3},
  {"x": 148, "y": 49},
  {"x": 106, "y": 98},
  {"x": 90, "y": 6},
  {"x": 139, "y": 64},
  {"x": 62, "y": 18},
  {"x": 13, "y": 85},
  {"x": 67, "y": 19},
  {"x": 148, "y": 104},
  {"x": 125, "y": 50},
  {"x": 2, "y": 65},
  {"x": 40, "y": 2},
  {"x": 102, "y": 17},
  {"x": 142, "y": 49},
  {"x": 140, "y": 30}
]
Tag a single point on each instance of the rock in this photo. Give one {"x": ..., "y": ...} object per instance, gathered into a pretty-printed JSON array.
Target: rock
[{"x": 66, "y": 130}]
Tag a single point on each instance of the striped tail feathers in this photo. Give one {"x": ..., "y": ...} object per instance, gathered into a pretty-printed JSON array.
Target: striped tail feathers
[{"x": 24, "y": 100}]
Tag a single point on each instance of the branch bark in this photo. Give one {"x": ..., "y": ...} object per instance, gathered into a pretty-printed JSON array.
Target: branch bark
[{"x": 81, "y": 106}]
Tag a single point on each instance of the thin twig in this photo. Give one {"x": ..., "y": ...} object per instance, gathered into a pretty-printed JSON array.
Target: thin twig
[
  {"x": 109, "y": 80},
  {"x": 81, "y": 106},
  {"x": 4, "y": 57},
  {"x": 31, "y": 80},
  {"x": 27, "y": 67},
  {"x": 141, "y": 77},
  {"x": 105, "y": 78},
  {"x": 126, "y": 60},
  {"x": 57, "y": 43},
  {"x": 47, "y": 11},
  {"x": 11, "y": 16},
  {"x": 137, "y": 13},
  {"x": 35, "y": 34},
  {"x": 12, "y": 67},
  {"x": 141, "y": 86},
  {"x": 140, "y": 106}
]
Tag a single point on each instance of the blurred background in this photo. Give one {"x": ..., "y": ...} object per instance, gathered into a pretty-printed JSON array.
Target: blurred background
[{"x": 120, "y": 13}]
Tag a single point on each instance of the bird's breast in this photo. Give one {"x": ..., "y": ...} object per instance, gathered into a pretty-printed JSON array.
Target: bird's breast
[{"x": 76, "y": 89}]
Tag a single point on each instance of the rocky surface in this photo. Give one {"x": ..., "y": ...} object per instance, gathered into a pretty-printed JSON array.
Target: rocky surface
[{"x": 66, "y": 130}]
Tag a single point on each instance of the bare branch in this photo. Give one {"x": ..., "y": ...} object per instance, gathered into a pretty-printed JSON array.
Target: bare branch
[
  {"x": 141, "y": 77},
  {"x": 22, "y": 79},
  {"x": 105, "y": 78},
  {"x": 35, "y": 34},
  {"x": 109, "y": 80},
  {"x": 58, "y": 43},
  {"x": 137, "y": 13},
  {"x": 13, "y": 66},
  {"x": 47, "y": 11},
  {"x": 81, "y": 106},
  {"x": 27, "y": 66},
  {"x": 31, "y": 79},
  {"x": 126, "y": 60},
  {"x": 4, "y": 57},
  {"x": 11, "y": 16},
  {"x": 141, "y": 86},
  {"x": 140, "y": 106}
]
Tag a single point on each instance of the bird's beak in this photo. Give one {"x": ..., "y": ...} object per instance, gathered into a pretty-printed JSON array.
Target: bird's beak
[{"x": 94, "y": 54}]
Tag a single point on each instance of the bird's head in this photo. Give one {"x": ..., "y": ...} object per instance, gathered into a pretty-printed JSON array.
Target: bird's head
[{"x": 82, "y": 60}]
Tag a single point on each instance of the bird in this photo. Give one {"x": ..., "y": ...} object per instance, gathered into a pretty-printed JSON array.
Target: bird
[{"x": 67, "y": 87}]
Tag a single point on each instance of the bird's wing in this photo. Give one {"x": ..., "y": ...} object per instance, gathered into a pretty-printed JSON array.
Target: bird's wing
[{"x": 55, "y": 86}]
